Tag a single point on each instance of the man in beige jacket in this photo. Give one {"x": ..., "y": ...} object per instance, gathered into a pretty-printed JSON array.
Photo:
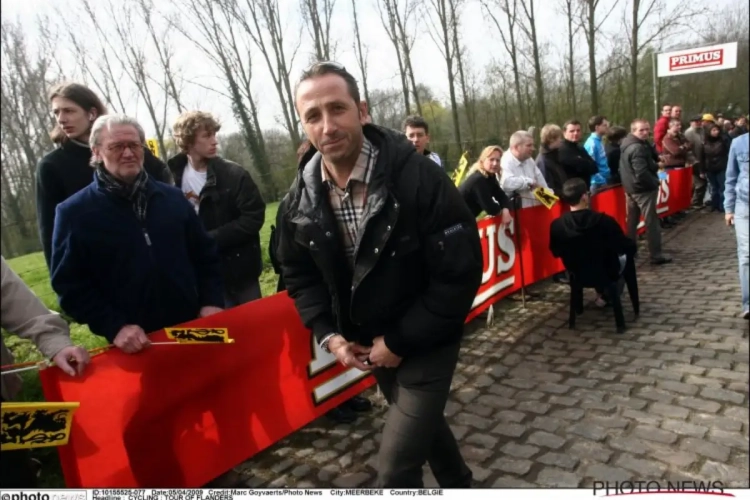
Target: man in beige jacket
[{"x": 23, "y": 314}]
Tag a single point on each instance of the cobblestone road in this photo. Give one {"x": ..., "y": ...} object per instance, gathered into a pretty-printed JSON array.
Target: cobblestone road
[{"x": 537, "y": 405}]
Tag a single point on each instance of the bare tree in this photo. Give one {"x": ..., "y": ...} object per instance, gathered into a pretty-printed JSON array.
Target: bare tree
[
  {"x": 229, "y": 52},
  {"x": 649, "y": 21},
  {"x": 529, "y": 28},
  {"x": 570, "y": 12},
  {"x": 388, "y": 18},
  {"x": 361, "y": 55},
  {"x": 441, "y": 32},
  {"x": 165, "y": 54},
  {"x": 592, "y": 29},
  {"x": 317, "y": 16},
  {"x": 261, "y": 18},
  {"x": 468, "y": 102}
]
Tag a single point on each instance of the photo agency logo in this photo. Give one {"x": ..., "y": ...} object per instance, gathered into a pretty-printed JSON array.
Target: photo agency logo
[{"x": 690, "y": 489}]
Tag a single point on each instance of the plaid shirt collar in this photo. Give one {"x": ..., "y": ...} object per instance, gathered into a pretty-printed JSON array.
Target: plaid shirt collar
[{"x": 362, "y": 171}]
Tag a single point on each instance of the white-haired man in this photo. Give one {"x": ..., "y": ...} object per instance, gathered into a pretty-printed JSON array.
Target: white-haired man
[
  {"x": 129, "y": 254},
  {"x": 519, "y": 174}
]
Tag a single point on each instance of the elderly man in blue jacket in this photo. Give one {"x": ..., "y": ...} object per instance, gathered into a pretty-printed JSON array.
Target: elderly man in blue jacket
[{"x": 129, "y": 254}]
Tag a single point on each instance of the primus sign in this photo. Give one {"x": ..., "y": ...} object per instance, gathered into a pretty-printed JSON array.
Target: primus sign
[{"x": 698, "y": 60}]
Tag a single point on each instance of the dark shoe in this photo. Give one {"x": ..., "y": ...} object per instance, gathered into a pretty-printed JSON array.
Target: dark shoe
[
  {"x": 342, "y": 414},
  {"x": 620, "y": 329},
  {"x": 661, "y": 260},
  {"x": 746, "y": 315},
  {"x": 561, "y": 278},
  {"x": 359, "y": 404}
]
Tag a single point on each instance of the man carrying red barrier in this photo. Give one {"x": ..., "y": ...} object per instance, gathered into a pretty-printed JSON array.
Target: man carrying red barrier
[{"x": 383, "y": 260}]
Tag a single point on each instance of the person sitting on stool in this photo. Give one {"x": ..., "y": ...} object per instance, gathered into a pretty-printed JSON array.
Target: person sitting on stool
[{"x": 575, "y": 235}]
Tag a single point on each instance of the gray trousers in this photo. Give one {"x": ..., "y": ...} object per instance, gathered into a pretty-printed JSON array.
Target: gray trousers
[
  {"x": 699, "y": 190},
  {"x": 644, "y": 203},
  {"x": 234, "y": 298},
  {"x": 416, "y": 430}
]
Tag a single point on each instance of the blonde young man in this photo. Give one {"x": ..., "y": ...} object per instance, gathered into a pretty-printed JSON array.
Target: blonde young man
[{"x": 226, "y": 200}]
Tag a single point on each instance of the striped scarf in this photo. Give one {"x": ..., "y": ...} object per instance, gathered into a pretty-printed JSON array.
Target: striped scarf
[{"x": 135, "y": 192}]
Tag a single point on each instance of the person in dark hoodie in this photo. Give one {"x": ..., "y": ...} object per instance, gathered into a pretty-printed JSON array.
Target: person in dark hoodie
[
  {"x": 481, "y": 190},
  {"x": 574, "y": 159},
  {"x": 67, "y": 170},
  {"x": 226, "y": 199},
  {"x": 640, "y": 180},
  {"x": 383, "y": 260},
  {"x": 588, "y": 241}
]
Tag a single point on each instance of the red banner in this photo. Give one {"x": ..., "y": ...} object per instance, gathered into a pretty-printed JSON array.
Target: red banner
[{"x": 180, "y": 415}]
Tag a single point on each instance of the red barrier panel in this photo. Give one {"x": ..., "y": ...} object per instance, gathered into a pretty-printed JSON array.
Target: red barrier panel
[{"x": 178, "y": 416}]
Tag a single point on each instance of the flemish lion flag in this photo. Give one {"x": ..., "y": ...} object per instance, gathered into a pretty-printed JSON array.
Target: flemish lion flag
[
  {"x": 199, "y": 335},
  {"x": 546, "y": 197},
  {"x": 458, "y": 174},
  {"x": 35, "y": 425}
]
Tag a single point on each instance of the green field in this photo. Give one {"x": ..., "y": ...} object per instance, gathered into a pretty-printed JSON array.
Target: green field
[{"x": 33, "y": 270}]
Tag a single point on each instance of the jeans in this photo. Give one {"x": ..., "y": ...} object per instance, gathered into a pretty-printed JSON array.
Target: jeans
[
  {"x": 716, "y": 179},
  {"x": 741, "y": 221}
]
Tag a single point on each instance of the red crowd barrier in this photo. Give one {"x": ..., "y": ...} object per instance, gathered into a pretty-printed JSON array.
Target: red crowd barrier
[{"x": 179, "y": 416}]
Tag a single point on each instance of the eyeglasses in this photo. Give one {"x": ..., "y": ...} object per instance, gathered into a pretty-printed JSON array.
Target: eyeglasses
[{"x": 120, "y": 147}]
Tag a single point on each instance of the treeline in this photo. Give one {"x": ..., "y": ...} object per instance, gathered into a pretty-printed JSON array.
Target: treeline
[{"x": 127, "y": 52}]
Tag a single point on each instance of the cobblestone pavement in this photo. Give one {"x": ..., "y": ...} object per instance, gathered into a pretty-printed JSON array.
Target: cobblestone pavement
[{"x": 537, "y": 405}]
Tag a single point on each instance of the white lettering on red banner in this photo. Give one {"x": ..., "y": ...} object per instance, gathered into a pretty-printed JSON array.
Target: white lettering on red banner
[
  {"x": 500, "y": 258},
  {"x": 697, "y": 60}
]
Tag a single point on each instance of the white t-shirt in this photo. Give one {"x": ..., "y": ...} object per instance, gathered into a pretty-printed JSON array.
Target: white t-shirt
[
  {"x": 192, "y": 184},
  {"x": 517, "y": 176}
]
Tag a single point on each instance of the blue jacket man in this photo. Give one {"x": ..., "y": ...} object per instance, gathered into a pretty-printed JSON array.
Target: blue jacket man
[
  {"x": 736, "y": 208},
  {"x": 129, "y": 254}
]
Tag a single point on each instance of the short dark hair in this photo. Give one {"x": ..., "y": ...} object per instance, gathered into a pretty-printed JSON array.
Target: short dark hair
[
  {"x": 82, "y": 96},
  {"x": 322, "y": 68},
  {"x": 616, "y": 134},
  {"x": 415, "y": 121},
  {"x": 596, "y": 121},
  {"x": 573, "y": 190},
  {"x": 672, "y": 121},
  {"x": 569, "y": 123}
]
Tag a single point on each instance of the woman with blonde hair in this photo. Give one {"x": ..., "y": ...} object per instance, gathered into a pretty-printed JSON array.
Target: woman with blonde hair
[{"x": 481, "y": 190}]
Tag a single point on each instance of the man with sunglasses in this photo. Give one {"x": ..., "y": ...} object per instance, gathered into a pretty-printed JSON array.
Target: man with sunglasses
[
  {"x": 383, "y": 260},
  {"x": 129, "y": 254}
]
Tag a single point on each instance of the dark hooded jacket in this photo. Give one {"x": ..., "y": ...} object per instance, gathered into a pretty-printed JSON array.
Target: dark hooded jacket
[
  {"x": 417, "y": 262},
  {"x": 589, "y": 243},
  {"x": 639, "y": 172},
  {"x": 715, "y": 153}
]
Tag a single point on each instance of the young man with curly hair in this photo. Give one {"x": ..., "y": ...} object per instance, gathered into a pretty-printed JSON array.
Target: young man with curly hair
[{"x": 226, "y": 200}]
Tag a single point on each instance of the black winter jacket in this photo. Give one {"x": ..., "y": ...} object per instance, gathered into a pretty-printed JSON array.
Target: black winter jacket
[
  {"x": 576, "y": 161},
  {"x": 64, "y": 172},
  {"x": 638, "y": 169},
  {"x": 233, "y": 212},
  {"x": 417, "y": 263},
  {"x": 483, "y": 194}
]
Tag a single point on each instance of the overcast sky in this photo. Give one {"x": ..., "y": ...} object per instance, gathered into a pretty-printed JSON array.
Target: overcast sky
[{"x": 478, "y": 35}]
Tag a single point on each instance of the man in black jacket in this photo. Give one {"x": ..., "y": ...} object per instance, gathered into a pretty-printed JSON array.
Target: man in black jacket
[
  {"x": 573, "y": 158},
  {"x": 227, "y": 201},
  {"x": 640, "y": 180},
  {"x": 383, "y": 260}
]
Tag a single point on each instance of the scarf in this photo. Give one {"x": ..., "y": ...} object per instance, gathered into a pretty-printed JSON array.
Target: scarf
[{"x": 135, "y": 192}]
